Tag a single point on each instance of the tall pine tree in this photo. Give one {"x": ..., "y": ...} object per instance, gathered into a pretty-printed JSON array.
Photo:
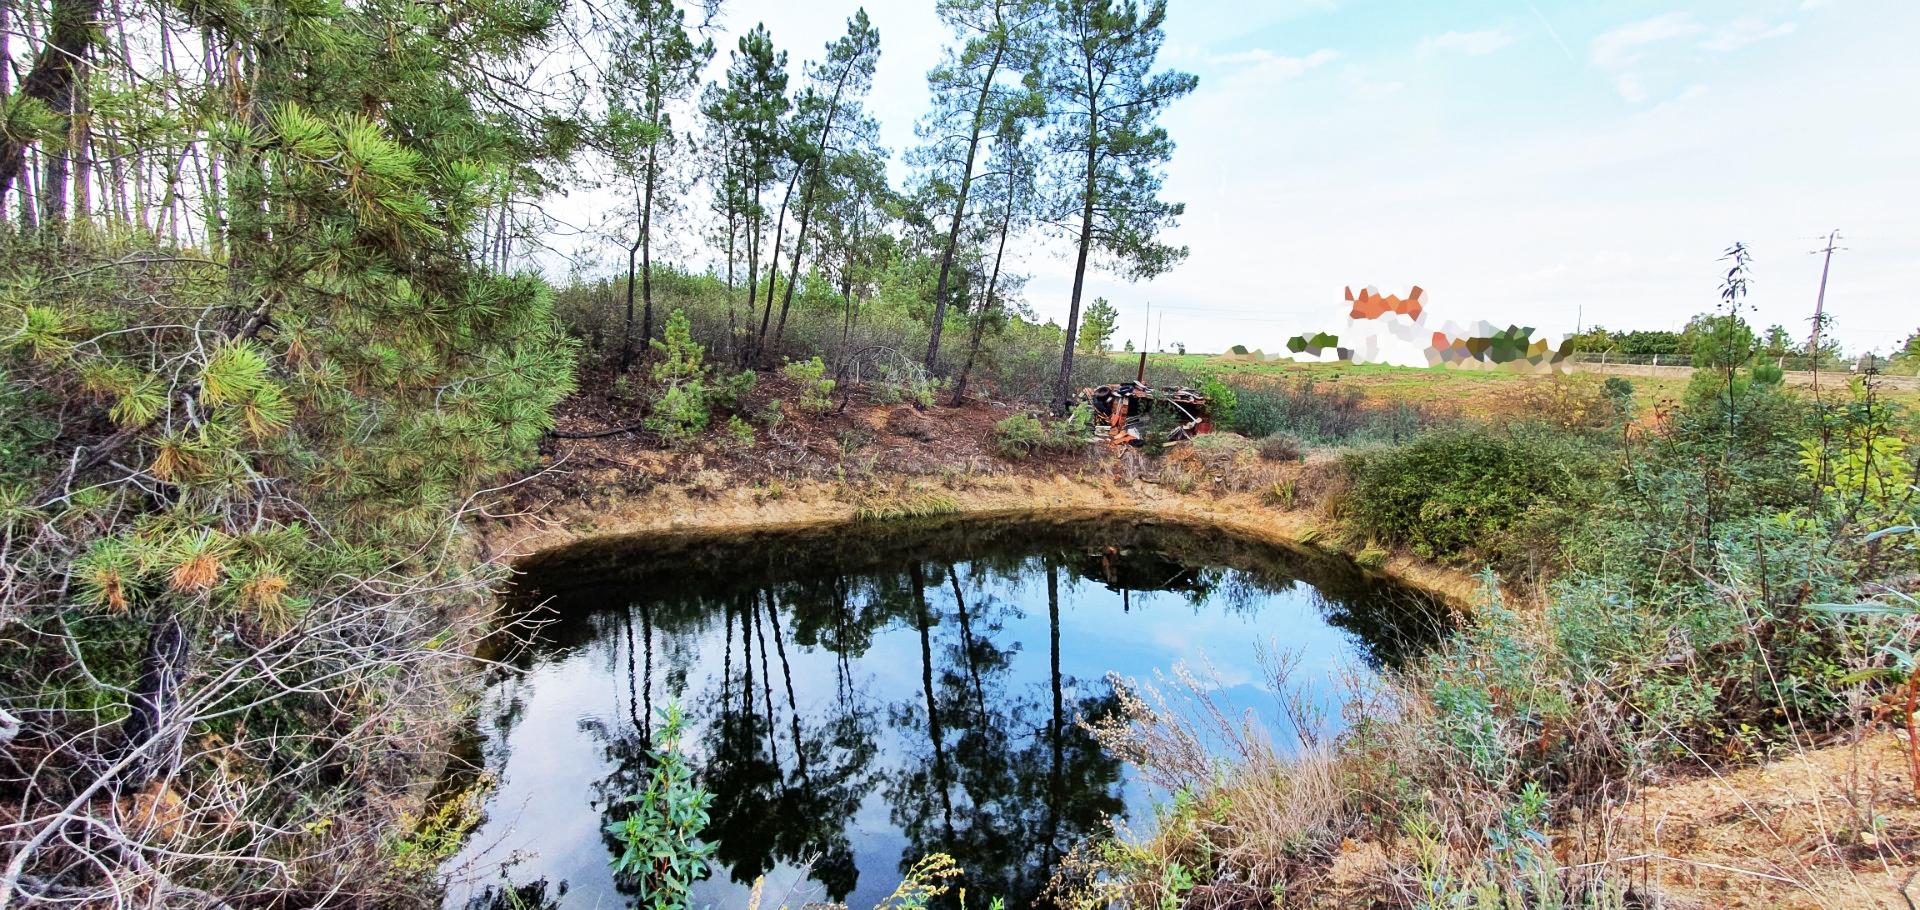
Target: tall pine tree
[{"x": 1107, "y": 148}]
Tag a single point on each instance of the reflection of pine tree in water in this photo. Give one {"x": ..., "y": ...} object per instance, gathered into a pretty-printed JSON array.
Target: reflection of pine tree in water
[
  {"x": 763, "y": 813},
  {"x": 1008, "y": 781},
  {"x": 992, "y": 768},
  {"x": 766, "y": 810}
]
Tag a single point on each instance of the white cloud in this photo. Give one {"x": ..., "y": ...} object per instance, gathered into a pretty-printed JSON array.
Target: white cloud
[
  {"x": 1264, "y": 64},
  {"x": 1630, "y": 87},
  {"x": 1744, "y": 32},
  {"x": 1625, "y": 46},
  {"x": 1473, "y": 44}
]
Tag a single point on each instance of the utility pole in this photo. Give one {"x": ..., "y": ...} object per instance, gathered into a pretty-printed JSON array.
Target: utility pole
[
  {"x": 1820, "y": 307},
  {"x": 1146, "y": 331},
  {"x": 1160, "y": 333}
]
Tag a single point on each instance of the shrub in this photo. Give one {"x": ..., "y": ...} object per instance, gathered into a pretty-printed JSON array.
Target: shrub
[
  {"x": 1281, "y": 447},
  {"x": 816, "y": 391},
  {"x": 1577, "y": 402},
  {"x": 1023, "y": 434},
  {"x": 683, "y": 410},
  {"x": 1619, "y": 393},
  {"x": 1456, "y": 494},
  {"x": 910, "y": 383},
  {"x": 1019, "y": 436},
  {"x": 1322, "y": 413},
  {"x": 1222, "y": 403},
  {"x": 739, "y": 432}
]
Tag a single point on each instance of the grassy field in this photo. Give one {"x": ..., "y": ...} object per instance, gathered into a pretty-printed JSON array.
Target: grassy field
[{"x": 1478, "y": 393}]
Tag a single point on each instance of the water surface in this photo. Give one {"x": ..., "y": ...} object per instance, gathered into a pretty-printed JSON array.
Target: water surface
[{"x": 859, "y": 698}]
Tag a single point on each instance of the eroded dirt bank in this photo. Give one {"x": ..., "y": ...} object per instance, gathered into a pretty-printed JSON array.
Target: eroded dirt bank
[{"x": 676, "y": 510}]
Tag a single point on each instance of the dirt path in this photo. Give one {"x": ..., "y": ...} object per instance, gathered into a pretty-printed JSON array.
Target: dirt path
[{"x": 1837, "y": 827}]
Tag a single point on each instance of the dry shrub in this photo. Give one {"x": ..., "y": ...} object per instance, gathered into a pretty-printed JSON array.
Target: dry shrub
[
  {"x": 1281, "y": 447},
  {"x": 1567, "y": 400},
  {"x": 1227, "y": 460},
  {"x": 1322, "y": 484},
  {"x": 1248, "y": 821}
]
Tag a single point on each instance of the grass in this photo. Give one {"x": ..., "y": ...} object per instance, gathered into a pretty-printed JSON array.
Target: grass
[
  {"x": 1474, "y": 393},
  {"x": 1483, "y": 394}
]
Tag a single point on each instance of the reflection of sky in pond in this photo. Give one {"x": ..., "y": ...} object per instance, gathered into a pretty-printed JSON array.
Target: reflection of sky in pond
[{"x": 872, "y": 785}]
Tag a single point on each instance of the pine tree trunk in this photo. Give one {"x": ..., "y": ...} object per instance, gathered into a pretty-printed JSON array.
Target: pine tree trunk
[
  {"x": 987, "y": 306},
  {"x": 959, "y": 212},
  {"x": 806, "y": 200},
  {"x": 1062, "y": 389},
  {"x": 646, "y": 248},
  {"x": 51, "y": 82},
  {"x": 626, "y": 332},
  {"x": 773, "y": 266}
]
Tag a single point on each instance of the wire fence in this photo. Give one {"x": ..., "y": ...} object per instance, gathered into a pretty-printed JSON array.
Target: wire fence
[{"x": 1792, "y": 363}]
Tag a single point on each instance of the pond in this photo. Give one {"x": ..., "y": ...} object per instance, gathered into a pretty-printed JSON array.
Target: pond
[{"x": 858, "y": 698}]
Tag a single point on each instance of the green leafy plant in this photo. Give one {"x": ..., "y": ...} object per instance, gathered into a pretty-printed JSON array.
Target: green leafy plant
[
  {"x": 1222, "y": 403},
  {"x": 661, "y": 850}
]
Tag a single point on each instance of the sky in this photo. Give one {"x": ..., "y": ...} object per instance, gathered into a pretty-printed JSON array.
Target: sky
[{"x": 1547, "y": 164}]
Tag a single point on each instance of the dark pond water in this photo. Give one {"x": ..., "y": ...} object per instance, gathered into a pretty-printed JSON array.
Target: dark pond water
[{"x": 863, "y": 697}]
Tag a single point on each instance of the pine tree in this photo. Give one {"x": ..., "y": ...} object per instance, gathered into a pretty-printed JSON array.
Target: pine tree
[
  {"x": 1105, "y": 98},
  {"x": 754, "y": 108},
  {"x": 970, "y": 99},
  {"x": 655, "y": 64},
  {"x": 1013, "y": 177},
  {"x": 241, "y": 466},
  {"x": 828, "y": 108},
  {"x": 1098, "y": 326}
]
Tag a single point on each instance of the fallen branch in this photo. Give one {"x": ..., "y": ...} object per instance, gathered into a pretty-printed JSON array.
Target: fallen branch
[{"x": 632, "y": 428}]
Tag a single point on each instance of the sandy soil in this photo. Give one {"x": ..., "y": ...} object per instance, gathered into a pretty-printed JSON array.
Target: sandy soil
[{"x": 1826, "y": 828}]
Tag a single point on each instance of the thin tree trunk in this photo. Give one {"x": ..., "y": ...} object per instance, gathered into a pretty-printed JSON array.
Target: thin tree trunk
[
  {"x": 987, "y": 306},
  {"x": 1062, "y": 389},
  {"x": 646, "y": 247},
  {"x": 626, "y": 334},
  {"x": 82, "y": 144},
  {"x": 960, "y": 207},
  {"x": 806, "y": 199},
  {"x": 773, "y": 266},
  {"x": 753, "y": 269}
]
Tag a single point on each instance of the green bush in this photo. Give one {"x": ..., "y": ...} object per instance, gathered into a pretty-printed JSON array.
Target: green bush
[
  {"x": 1222, "y": 403},
  {"x": 1019, "y": 436},
  {"x": 1023, "y": 434},
  {"x": 683, "y": 410},
  {"x": 1459, "y": 494},
  {"x": 816, "y": 391}
]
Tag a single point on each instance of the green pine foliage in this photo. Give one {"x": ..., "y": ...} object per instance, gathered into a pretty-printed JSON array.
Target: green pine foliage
[
  {"x": 239, "y": 450},
  {"x": 682, "y": 409}
]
